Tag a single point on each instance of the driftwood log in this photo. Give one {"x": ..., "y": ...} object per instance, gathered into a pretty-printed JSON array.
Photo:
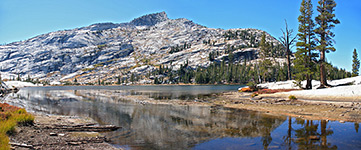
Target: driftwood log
[
  {"x": 66, "y": 142},
  {"x": 21, "y": 145},
  {"x": 85, "y": 127}
]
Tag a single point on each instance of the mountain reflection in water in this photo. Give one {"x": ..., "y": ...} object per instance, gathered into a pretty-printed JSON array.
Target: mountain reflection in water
[{"x": 186, "y": 127}]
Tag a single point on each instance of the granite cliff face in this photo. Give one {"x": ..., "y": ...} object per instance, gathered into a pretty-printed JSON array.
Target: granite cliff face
[
  {"x": 150, "y": 20},
  {"x": 106, "y": 50}
]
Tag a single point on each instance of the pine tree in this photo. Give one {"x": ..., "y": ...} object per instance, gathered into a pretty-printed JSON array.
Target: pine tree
[
  {"x": 326, "y": 21},
  {"x": 132, "y": 78},
  {"x": 355, "y": 64},
  {"x": 305, "y": 57},
  {"x": 118, "y": 80},
  {"x": 156, "y": 80},
  {"x": 18, "y": 78},
  {"x": 264, "y": 54},
  {"x": 265, "y": 51},
  {"x": 28, "y": 79}
]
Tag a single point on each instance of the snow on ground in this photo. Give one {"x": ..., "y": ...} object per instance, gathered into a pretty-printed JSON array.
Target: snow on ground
[
  {"x": 290, "y": 83},
  {"x": 69, "y": 76},
  {"x": 18, "y": 84},
  {"x": 344, "y": 93},
  {"x": 279, "y": 85},
  {"x": 8, "y": 76},
  {"x": 55, "y": 83},
  {"x": 356, "y": 80},
  {"x": 351, "y": 93}
]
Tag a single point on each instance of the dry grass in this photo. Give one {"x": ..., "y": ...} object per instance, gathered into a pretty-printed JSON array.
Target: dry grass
[
  {"x": 4, "y": 142},
  {"x": 10, "y": 116}
]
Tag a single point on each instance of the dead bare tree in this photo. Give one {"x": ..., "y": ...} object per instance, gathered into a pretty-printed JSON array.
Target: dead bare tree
[{"x": 287, "y": 40}]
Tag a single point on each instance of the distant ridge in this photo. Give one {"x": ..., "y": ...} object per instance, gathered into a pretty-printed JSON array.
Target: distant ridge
[{"x": 105, "y": 51}]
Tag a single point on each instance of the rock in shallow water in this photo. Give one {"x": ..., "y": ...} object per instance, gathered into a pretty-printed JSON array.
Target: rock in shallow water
[
  {"x": 314, "y": 137},
  {"x": 53, "y": 134}
]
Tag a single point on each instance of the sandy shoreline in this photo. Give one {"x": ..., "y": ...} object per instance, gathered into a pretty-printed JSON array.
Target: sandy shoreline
[
  {"x": 308, "y": 109},
  {"x": 52, "y": 132}
]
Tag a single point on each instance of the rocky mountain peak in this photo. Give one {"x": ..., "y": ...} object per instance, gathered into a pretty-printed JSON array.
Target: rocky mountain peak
[
  {"x": 150, "y": 19},
  {"x": 104, "y": 51}
]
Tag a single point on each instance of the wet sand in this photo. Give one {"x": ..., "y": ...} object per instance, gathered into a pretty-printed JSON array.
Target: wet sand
[
  {"x": 43, "y": 135},
  {"x": 308, "y": 109}
]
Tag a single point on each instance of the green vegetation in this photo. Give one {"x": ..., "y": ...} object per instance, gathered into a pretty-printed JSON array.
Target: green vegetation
[
  {"x": 88, "y": 69},
  {"x": 177, "y": 48},
  {"x": 212, "y": 56},
  {"x": 99, "y": 65},
  {"x": 254, "y": 95},
  {"x": 238, "y": 34},
  {"x": 355, "y": 64},
  {"x": 309, "y": 32},
  {"x": 102, "y": 46},
  {"x": 292, "y": 97},
  {"x": 252, "y": 85},
  {"x": 10, "y": 116},
  {"x": 230, "y": 73},
  {"x": 326, "y": 21},
  {"x": 305, "y": 62},
  {"x": 265, "y": 64},
  {"x": 209, "y": 42}
]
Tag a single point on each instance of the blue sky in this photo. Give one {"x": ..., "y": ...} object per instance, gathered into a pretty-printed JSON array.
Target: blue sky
[{"x": 23, "y": 19}]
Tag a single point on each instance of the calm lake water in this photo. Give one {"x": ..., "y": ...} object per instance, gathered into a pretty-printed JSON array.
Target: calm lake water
[{"x": 185, "y": 127}]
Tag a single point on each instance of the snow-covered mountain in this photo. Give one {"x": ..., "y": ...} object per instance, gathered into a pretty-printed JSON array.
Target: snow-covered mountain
[{"x": 105, "y": 50}]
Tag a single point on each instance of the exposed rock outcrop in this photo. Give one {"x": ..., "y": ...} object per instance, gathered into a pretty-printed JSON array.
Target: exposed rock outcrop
[{"x": 108, "y": 50}]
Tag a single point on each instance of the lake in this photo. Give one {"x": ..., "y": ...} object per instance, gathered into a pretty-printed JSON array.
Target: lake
[{"x": 150, "y": 126}]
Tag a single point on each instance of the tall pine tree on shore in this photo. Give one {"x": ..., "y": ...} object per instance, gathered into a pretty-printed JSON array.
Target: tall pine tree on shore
[
  {"x": 305, "y": 57},
  {"x": 265, "y": 52},
  {"x": 326, "y": 21},
  {"x": 355, "y": 64}
]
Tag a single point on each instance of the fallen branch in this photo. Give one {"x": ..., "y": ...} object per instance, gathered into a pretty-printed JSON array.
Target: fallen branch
[
  {"x": 83, "y": 128},
  {"x": 66, "y": 142},
  {"x": 78, "y": 125},
  {"x": 21, "y": 145}
]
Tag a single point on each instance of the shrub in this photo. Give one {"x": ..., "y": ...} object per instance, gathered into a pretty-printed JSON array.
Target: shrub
[
  {"x": 252, "y": 85},
  {"x": 10, "y": 116},
  {"x": 99, "y": 65},
  {"x": 100, "y": 47},
  {"x": 23, "y": 119},
  {"x": 297, "y": 83},
  {"x": 8, "y": 126},
  {"x": 292, "y": 97},
  {"x": 20, "y": 111},
  {"x": 254, "y": 95},
  {"x": 4, "y": 141},
  {"x": 88, "y": 69}
]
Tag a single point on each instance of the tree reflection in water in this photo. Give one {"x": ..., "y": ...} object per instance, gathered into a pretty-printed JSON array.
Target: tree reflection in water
[{"x": 309, "y": 134}]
